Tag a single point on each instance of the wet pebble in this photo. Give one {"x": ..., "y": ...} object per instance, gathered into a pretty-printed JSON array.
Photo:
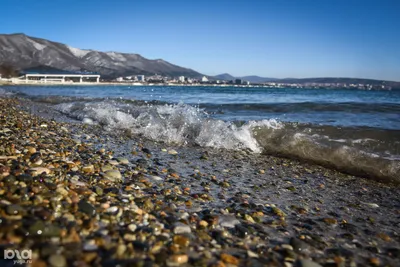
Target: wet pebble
[
  {"x": 57, "y": 261},
  {"x": 228, "y": 221},
  {"x": 181, "y": 228},
  {"x": 86, "y": 207},
  {"x": 307, "y": 263},
  {"x": 113, "y": 175}
]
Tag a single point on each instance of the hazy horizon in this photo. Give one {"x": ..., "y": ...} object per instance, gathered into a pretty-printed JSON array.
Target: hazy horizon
[{"x": 276, "y": 39}]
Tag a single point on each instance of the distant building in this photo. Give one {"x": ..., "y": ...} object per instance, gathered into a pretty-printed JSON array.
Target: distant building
[
  {"x": 181, "y": 79},
  {"x": 140, "y": 78},
  {"x": 120, "y": 79},
  {"x": 204, "y": 79},
  {"x": 238, "y": 81}
]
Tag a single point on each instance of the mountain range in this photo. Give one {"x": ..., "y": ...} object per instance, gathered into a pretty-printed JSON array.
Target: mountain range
[
  {"x": 23, "y": 52},
  {"x": 35, "y": 54}
]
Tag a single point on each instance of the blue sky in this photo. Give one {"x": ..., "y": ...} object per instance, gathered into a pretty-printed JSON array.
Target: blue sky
[{"x": 270, "y": 38}]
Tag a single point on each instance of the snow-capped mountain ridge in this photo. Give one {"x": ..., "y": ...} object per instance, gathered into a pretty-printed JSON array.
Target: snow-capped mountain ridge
[{"x": 22, "y": 51}]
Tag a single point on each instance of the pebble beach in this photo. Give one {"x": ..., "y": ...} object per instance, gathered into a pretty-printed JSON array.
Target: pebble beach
[{"x": 77, "y": 195}]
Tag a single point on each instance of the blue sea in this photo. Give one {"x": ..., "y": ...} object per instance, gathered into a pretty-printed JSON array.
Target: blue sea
[{"x": 355, "y": 131}]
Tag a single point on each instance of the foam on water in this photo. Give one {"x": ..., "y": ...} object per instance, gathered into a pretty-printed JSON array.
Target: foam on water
[
  {"x": 179, "y": 123},
  {"x": 185, "y": 124}
]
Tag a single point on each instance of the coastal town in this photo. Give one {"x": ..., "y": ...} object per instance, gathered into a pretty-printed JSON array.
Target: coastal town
[
  {"x": 8, "y": 75},
  {"x": 211, "y": 81}
]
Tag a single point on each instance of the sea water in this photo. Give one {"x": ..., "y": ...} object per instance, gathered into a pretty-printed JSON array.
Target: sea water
[{"x": 355, "y": 131}]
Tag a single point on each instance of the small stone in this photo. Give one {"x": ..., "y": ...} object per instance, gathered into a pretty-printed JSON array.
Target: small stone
[
  {"x": 297, "y": 244},
  {"x": 69, "y": 217},
  {"x": 172, "y": 152},
  {"x": 90, "y": 245},
  {"x": 99, "y": 190},
  {"x": 39, "y": 228},
  {"x": 374, "y": 261},
  {"x": 249, "y": 218},
  {"x": 140, "y": 246},
  {"x": 146, "y": 150},
  {"x": 37, "y": 163},
  {"x": 57, "y": 261},
  {"x": 330, "y": 220},
  {"x": 181, "y": 228},
  {"x": 178, "y": 259},
  {"x": 278, "y": 212},
  {"x": 113, "y": 175},
  {"x": 203, "y": 223},
  {"x": 182, "y": 241},
  {"x": 39, "y": 170},
  {"x": 148, "y": 205},
  {"x": 106, "y": 167},
  {"x": 261, "y": 171},
  {"x": 31, "y": 150},
  {"x": 132, "y": 227},
  {"x": 229, "y": 259},
  {"x": 123, "y": 161},
  {"x": 62, "y": 191},
  {"x": 384, "y": 237},
  {"x": 113, "y": 162},
  {"x": 38, "y": 263},
  {"x": 307, "y": 263},
  {"x": 121, "y": 249},
  {"x": 112, "y": 210},
  {"x": 14, "y": 209},
  {"x": 372, "y": 205},
  {"x": 287, "y": 246},
  {"x": 252, "y": 254},
  {"x": 86, "y": 207},
  {"x": 89, "y": 257},
  {"x": 228, "y": 221},
  {"x": 88, "y": 169}
]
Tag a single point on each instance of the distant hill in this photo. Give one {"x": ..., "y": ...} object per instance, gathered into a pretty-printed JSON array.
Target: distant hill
[
  {"x": 24, "y": 52},
  {"x": 252, "y": 79},
  {"x": 224, "y": 77},
  {"x": 339, "y": 80},
  {"x": 258, "y": 79}
]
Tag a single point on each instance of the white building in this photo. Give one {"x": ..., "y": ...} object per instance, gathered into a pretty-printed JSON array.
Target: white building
[
  {"x": 181, "y": 79},
  {"x": 204, "y": 79},
  {"x": 140, "y": 78}
]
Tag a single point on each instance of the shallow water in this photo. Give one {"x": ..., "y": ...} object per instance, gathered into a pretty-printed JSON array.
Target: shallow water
[{"x": 351, "y": 130}]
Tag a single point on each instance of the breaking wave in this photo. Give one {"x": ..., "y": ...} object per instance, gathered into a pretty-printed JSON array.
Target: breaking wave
[{"x": 363, "y": 151}]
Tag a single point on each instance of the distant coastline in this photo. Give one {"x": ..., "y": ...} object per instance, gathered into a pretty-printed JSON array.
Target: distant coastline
[{"x": 8, "y": 82}]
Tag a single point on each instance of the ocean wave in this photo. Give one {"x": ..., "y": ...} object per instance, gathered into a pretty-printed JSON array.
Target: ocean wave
[
  {"x": 304, "y": 107},
  {"x": 360, "y": 151}
]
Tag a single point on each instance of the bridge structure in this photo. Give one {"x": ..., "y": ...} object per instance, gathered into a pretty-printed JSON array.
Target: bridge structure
[{"x": 61, "y": 77}]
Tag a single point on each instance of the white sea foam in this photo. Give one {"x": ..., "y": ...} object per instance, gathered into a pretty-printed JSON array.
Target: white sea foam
[{"x": 180, "y": 123}]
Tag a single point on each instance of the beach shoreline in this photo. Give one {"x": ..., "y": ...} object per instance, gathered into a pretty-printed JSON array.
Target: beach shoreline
[{"x": 122, "y": 199}]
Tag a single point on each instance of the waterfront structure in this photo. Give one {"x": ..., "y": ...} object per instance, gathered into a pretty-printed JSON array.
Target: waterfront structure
[
  {"x": 204, "y": 79},
  {"x": 60, "y": 77},
  {"x": 181, "y": 79},
  {"x": 140, "y": 78}
]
